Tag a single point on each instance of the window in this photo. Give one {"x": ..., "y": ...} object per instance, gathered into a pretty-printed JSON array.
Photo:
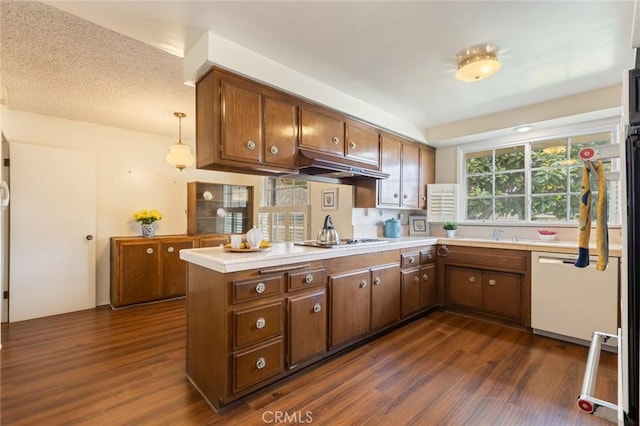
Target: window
[
  {"x": 284, "y": 216},
  {"x": 533, "y": 181}
]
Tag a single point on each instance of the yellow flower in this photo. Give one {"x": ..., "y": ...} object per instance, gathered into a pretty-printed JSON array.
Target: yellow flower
[{"x": 147, "y": 216}]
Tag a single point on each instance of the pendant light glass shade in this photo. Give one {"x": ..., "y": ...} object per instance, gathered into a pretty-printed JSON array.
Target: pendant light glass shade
[
  {"x": 477, "y": 67},
  {"x": 180, "y": 154}
]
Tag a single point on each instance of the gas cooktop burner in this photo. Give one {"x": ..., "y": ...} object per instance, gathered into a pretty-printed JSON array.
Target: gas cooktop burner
[{"x": 343, "y": 243}]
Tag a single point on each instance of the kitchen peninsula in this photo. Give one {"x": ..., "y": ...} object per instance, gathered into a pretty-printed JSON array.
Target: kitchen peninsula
[{"x": 256, "y": 317}]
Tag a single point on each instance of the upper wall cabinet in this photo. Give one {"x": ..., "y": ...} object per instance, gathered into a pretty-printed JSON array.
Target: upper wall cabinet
[
  {"x": 411, "y": 167},
  {"x": 244, "y": 125},
  {"x": 362, "y": 143},
  {"x": 322, "y": 131}
]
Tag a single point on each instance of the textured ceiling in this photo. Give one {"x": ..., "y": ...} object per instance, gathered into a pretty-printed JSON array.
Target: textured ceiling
[
  {"x": 397, "y": 56},
  {"x": 55, "y": 63}
]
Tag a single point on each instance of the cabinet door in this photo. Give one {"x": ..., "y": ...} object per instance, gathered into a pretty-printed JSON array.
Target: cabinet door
[
  {"x": 280, "y": 133},
  {"x": 363, "y": 143},
  {"x": 307, "y": 326},
  {"x": 501, "y": 294},
  {"x": 321, "y": 132},
  {"x": 241, "y": 123},
  {"x": 428, "y": 285},
  {"x": 464, "y": 287},
  {"x": 385, "y": 296},
  {"x": 410, "y": 176},
  {"x": 174, "y": 269},
  {"x": 427, "y": 173},
  {"x": 389, "y": 189},
  {"x": 410, "y": 291},
  {"x": 139, "y": 273},
  {"x": 350, "y": 306}
]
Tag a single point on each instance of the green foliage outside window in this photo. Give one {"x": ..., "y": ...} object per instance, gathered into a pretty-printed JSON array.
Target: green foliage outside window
[{"x": 498, "y": 182}]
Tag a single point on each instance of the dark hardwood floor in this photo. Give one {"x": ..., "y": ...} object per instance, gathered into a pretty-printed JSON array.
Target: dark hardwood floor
[{"x": 103, "y": 367}]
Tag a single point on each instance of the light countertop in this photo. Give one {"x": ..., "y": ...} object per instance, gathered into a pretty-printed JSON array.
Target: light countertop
[{"x": 218, "y": 259}]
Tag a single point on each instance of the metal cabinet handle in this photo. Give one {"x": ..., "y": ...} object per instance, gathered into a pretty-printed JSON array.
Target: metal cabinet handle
[
  {"x": 416, "y": 280},
  {"x": 308, "y": 279},
  {"x": 170, "y": 249},
  {"x": 89, "y": 237},
  {"x": 443, "y": 251},
  {"x": 377, "y": 280},
  {"x": 251, "y": 145},
  {"x": 425, "y": 277},
  {"x": 317, "y": 308},
  {"x": 352, "y": 145},
  {"x": 260, "y": 323},
  {"x": 412, "y": 260},
  {"x": 395, "y": 195},
  {"x": 336, "y": 140},
  {"x": 274, "y": 150},
  {"x": 492, "y": 282},
  {"x": 429, "y": 256},
  {"x": 149, "y": 250},
  {"x": 261, "y": 363},
  {"x": 363, "y": 283},
  {"x": 472, "y": 279},
  {"x": 423, "y": 198},
  {"x": 260, "y": 288},
  {"x": 405, "y": 196}
]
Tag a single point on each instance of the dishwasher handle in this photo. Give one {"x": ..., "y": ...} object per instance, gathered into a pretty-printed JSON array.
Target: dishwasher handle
[{"x": 556, "y": 260}]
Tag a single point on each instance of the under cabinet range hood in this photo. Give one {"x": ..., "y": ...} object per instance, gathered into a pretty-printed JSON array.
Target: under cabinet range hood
[{"x": 321, "y": 166}]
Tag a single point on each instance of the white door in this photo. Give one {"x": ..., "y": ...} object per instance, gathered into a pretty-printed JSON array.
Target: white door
[{"x": 51, "y": 231}]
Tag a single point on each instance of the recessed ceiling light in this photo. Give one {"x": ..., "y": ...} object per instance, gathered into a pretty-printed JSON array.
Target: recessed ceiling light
[{"x": 523, "y": 129}]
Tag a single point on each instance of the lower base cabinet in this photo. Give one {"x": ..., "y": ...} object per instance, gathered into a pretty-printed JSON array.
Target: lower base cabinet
[
  {"x": 350, "y": 305},
  {"x": 307, "y": 326}
]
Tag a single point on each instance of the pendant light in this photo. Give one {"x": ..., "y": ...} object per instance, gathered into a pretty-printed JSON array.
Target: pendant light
[{"x": 180, "y": 155}]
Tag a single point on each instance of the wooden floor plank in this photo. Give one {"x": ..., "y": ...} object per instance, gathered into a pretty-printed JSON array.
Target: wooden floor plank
[{"x": 104, "y": 367}]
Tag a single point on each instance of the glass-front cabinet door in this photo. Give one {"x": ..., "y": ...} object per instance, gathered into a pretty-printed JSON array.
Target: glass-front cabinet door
[{"x": 214, "y": 208}]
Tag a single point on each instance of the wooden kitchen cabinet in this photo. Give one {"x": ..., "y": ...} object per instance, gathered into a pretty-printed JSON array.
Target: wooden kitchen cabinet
[
  {"x": 218, "y": 209},
  {"x": 494, "y": 283},
  {"x": 350, "y": 305},
  {"x": 362, "y": 143},
  {"x": 418, "y": 280},
  {"x": 410, "y": 167},
  {"x": 385, "y": 296},
  {"x": 322, "y": 130},
  {"x": 244, "y": 126},
  {"x": 147, "y": 269},
  {"x": 307, "y": 326}
]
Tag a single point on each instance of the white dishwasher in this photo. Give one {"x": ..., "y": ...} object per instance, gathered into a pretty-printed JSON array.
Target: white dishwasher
[{"x": 571, "y": 303}]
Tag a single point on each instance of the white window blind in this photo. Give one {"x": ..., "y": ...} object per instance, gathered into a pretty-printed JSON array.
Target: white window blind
[{"x": 442, "y": 203}]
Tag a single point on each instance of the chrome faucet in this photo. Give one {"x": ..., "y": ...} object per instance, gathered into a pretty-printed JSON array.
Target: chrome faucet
[{"x": 496, "y": 234}]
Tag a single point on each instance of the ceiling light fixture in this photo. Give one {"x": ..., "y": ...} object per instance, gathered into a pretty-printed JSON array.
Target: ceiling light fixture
[
  {"x": 477, "y": 63},
  {"x": 523, "y": 129},
  {"x": 180, "y": 155}
]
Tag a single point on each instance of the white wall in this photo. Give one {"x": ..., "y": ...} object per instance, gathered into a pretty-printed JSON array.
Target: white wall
[{"x": 132, "y": 175}]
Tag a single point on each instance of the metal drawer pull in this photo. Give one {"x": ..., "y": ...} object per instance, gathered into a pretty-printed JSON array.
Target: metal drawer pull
[
  {"x": 363, "y": 283},
  {"x": 317, "y": 308},
  {"x": 416, "y": 280},
  {"x": 336, "y": 140},
  {"x": 352, "y": 145},
  {"x": 492, "y": 282},
  {"x": 251, "y": 145},
  {"x": 274, "y": 150},
  {"x": 443, "y": 251},
  {"x": 260, "y": 323},
  {"x": 149, "y": 251},
  {"x": 261, "y": 363},
  {"x": 425, "y": 277},
  {"x": 429, "y": 256},
  {"x": 308, "y": 279},
  {"x": 260, "y": 288},
  {"x": 472, "y": 279},
  {"x": 377, "y": 280},
  {"x": 412, "y": 260},
  {"x": 170, "y": 249}
]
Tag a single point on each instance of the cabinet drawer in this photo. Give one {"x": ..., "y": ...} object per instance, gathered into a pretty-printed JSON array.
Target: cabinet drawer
[
  {"x": 252, "y": 325},
  {"x": 410, "y": 259},
  {"x": 306, "y": 279},
  {"x": 427, "y": 256},
  {"x": 255, "y": 365},
  {"x": 253, "y": 289}
]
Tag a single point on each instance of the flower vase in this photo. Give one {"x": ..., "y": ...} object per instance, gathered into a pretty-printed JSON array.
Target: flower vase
[
  {"x": 451, "y": 233},
  {"x": 148, "y": 230}
]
